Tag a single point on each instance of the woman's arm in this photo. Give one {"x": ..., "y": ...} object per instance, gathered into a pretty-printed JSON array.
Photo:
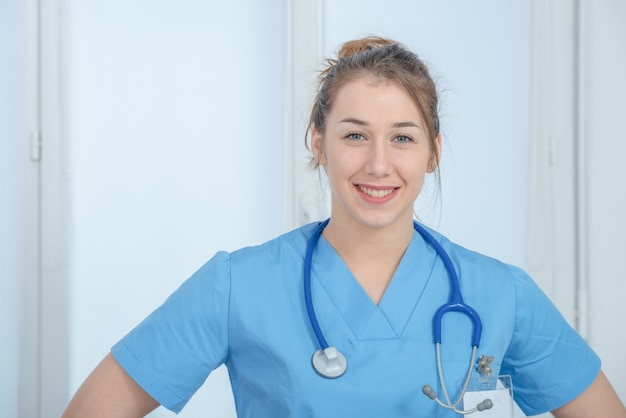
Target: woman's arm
[
  {"x": 110, "y": 392},
  {"x": 598, "y": 400}
]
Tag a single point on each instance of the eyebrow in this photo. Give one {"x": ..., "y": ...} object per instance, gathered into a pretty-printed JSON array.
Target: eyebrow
[{"x": 395, "y": 125}]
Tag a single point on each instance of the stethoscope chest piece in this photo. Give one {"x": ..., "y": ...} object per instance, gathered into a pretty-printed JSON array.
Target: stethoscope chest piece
[{"x": 329, "y": 362}]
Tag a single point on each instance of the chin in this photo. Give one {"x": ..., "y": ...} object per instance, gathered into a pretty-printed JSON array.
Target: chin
[{"x": 379, "y": 221}]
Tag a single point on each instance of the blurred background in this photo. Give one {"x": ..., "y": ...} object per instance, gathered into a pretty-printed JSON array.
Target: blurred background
[{"x": 138, "y": 138}]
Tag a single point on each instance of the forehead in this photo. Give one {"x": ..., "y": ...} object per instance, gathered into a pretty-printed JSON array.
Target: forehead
[{"x": 374, "y": 97}]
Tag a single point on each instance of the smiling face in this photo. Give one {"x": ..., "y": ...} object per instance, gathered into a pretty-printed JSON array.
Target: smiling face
[{"x": 375, "y": 151}]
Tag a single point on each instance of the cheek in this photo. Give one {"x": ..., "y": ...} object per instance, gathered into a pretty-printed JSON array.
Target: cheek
[
  {"x": 414, "y": 179},
  {"x": 334, "y": 169},
  {"x": 342, "y": 163},
  {"x": 415, "y": 167}
]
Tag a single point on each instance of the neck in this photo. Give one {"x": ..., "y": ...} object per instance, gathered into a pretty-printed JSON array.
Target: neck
[
  {"x": 364, "y": 243},
  {"x": 371, "y": 254}
]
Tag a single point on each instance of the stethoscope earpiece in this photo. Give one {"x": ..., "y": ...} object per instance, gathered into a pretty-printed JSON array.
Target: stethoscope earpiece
[
  {"x": 486, "y": 404},
  {"x": 428, "y": 391},
  {"x": 481, "y": 406},
  {"x": 329, "y": 363}
]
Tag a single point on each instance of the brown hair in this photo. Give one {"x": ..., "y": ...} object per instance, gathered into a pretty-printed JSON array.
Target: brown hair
[{"x": 385, "y": 59}]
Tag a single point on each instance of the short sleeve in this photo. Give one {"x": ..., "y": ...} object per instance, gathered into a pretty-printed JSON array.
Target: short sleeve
[
  {"x": 549, "y": 362},
  {"x": 171, "y": 353}
]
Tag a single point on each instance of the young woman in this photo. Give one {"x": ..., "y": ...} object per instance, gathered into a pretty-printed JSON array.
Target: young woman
[{"x": 360, "y": 291}]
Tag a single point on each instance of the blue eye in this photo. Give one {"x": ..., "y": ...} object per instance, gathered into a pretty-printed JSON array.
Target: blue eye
[
  {"x": 403, "y": 139},
  {"x": 355, "y": 136}
]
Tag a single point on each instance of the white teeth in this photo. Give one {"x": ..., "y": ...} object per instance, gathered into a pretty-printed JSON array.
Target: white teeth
[{"x": 375, "y": 193}]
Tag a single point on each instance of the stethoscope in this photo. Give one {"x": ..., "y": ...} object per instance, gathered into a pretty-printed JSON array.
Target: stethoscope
[{"x": 330, "y": 363}]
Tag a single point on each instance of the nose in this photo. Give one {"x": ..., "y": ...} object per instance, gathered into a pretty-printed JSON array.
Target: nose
[{"x": 378, "y": 163}]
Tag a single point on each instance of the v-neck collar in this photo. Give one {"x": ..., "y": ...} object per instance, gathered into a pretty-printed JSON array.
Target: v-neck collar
[{"x": 361, "y": 314}]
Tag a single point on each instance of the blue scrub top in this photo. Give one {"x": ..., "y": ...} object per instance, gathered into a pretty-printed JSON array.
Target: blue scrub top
[{"x": 246, "y": 310}]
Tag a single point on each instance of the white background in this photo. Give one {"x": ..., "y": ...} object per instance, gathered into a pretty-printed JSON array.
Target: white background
[{"x": 170, "y": 146}]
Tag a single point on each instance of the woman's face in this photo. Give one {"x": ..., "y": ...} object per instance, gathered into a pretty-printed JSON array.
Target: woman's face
[{"x": 375, "y": 151}]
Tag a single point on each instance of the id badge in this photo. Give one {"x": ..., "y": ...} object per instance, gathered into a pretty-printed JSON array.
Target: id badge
[{"x": 498, "y": 389}]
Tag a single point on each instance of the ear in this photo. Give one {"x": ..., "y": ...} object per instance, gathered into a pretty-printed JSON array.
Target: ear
[
  {"x": 316, "y": 146},
  {"x": 436, "y": 155}
]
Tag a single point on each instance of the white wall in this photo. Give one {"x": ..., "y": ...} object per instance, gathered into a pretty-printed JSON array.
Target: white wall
[
  {"x": 171, "y": 138},
  {"x": 604, "y": 106},
  {"x": 13, "y": 161},
  {"x": 19, "y": 211}
]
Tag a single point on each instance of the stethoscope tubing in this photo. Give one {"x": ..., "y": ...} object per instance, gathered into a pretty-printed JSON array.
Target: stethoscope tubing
[
  {"x": 308, "y": 299},
  {"x": 332, "y": 364},
  {"x": 455, "y": 302}
]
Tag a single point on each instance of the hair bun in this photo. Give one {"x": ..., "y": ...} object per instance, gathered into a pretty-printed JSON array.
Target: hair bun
[{"x": 361, "y": 45}]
